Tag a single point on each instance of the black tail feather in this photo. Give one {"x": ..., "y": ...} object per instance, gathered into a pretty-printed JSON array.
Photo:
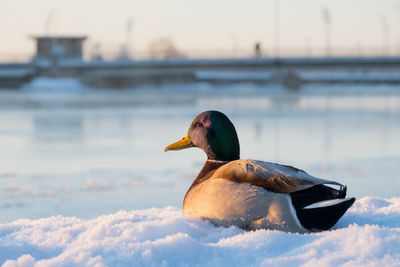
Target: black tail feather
[
  {"x": 323, "y": 218},
  {"x": 320, "y": 218}
]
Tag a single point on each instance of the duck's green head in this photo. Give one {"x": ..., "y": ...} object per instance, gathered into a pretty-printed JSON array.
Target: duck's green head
[{"x": 214, "y": 133}]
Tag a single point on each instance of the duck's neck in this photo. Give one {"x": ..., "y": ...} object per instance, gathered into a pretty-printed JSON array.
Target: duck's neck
[
  {"x": 208, "y": 169},
  {"x": 223, "y": 155},
  {"x": 226, "y": 149},
  {"x": 212, "y": 161}
]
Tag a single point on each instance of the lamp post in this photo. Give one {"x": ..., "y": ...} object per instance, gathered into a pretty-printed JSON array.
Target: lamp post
[
  {"x": 49, "y": 21},
  {"x": 385, "y": 30},
  {"x": 277, "y": 29},
  {"x": 327, "y": 20},
  {"x": 308, "y": 50},
  {"x": 129, "y": 27},
  {"x": 234, "y": 45}
]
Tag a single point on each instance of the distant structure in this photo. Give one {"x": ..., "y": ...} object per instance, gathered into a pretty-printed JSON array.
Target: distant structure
[
  {"x": 54, "y": 48},
  {"x": 257, "y": 50}
]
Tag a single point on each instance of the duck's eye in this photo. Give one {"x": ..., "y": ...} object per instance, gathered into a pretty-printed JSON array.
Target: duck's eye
[{"x": 197, "y": 124}]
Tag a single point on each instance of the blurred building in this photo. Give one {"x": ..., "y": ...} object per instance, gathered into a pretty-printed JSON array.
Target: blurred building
[{"x": 59, "y": 47}]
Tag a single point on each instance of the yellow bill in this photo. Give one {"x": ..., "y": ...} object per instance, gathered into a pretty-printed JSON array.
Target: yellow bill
[{"x": 181, "y": 144}]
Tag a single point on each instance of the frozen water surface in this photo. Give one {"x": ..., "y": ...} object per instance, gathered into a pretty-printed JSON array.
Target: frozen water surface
[{"x": 83, "y": 152}]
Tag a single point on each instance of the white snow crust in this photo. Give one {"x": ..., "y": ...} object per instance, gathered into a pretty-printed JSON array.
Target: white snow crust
[{"x": 367, "y": 235}]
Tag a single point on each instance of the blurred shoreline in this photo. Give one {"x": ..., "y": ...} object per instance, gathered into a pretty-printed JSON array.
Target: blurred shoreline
[{"x": 125, "y": 73}]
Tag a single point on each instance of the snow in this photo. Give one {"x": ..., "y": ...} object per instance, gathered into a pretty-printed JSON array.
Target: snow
[
  {"x": 54, "y": 91},
  {"x": 350, "y": 76},
  {"x": 367, "y": 235},
  {"x": 50, "y": 85},
  {"x": 305, "y": 76},
  {"x": 16, "y": 72},
  {"x": 233, "y": 75}
]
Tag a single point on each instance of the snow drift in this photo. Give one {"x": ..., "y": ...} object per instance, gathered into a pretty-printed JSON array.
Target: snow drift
[{"x": 367, "y": 235}]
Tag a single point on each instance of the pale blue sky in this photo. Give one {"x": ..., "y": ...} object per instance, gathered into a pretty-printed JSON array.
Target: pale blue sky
[{"x": 201, "y": 25}]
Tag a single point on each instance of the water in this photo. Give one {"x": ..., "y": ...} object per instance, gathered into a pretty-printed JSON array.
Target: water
[{"x": 89, "y": 152}]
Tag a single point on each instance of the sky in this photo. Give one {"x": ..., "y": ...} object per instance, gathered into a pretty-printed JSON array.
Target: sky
[{"x": 206, "y": 25}]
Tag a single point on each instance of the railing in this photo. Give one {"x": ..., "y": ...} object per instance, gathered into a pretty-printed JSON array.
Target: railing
[{"x": 113, "y": 53}]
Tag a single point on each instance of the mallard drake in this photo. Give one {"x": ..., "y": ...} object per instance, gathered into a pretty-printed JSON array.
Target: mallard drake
[{"x": 254, "y": 194}]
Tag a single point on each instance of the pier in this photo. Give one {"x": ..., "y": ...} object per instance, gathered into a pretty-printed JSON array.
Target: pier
[
  {"x": 289, "y": 71},
  {"x": 62, "y": 56}
]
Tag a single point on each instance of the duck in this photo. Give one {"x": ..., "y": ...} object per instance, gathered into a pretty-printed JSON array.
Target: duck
[{"x": 253, "y": 194}]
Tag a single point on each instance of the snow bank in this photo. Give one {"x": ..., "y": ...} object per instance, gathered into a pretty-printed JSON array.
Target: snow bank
[
  {"x": 51, "y": 85},
  {"x": 368, "y": 235}
]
